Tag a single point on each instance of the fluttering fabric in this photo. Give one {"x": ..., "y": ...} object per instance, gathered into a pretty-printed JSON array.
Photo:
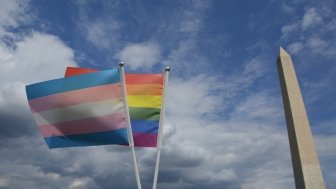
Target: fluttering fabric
[
  {"x": 144, "y": 94},
  {"x": 82, "y": 110}
]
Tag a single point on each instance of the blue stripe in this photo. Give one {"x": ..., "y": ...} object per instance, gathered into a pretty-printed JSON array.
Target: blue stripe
[
  {"x": 145, "y": 126},
  {"x": 72, "y": 83},
  {"x": 92, "y": 139}
]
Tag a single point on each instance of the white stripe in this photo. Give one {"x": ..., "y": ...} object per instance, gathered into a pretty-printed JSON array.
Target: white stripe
[{"x": 80, "y": 111}]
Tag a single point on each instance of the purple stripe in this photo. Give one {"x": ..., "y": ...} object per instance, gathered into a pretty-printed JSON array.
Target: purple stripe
[
  {"x": 89, "y": 125},
  {"x": 144, "y": 140}
]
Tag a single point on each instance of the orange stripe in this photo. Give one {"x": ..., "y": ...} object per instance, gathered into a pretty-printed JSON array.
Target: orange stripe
[
  {"x": 144, "y": 89},
  {"x": 144, "y": 79}
]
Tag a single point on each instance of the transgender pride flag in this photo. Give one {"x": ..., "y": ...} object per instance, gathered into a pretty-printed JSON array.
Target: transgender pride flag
[
  {"x": 144, "y": 94},
  {"x": 83, "y": 110}
]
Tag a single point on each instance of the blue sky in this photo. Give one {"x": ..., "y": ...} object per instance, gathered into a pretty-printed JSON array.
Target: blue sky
[{"x": 225, "y": 123}]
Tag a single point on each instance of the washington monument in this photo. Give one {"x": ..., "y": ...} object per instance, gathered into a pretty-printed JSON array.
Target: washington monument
[{"x": 306, "y": 165}]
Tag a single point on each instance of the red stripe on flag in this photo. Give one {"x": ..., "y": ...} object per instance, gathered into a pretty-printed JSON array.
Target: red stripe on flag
[
  {"x": 72, "y": 71},
  {"x": 129, "y": 78}
]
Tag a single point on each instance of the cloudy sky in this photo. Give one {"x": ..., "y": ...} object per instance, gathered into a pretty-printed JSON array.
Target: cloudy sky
[{"x": 225, "y": 125}]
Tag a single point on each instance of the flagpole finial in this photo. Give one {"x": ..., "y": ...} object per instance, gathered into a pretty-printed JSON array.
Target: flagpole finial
[
  {"x": 167, "y": 69},
  {"x": 121, "y": 64}
]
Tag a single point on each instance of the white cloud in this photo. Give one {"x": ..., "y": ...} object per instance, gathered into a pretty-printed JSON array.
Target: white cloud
[
  {"x": 179, "y": 53},
  {"x": 326, "y": 148},
  {"x": 28, "y": 58},
  {"x": 331, "y": 26},
  {"x": 262, "y": 104},
  {"x": 244, "y": 144},
  {"x": 321, "y": 47},
  {"x": 287, "y": 8},
  {"x": 315, "y": 39},
  {"x": 220, "y": 176},
  {"x": 12, "y": 13},
  {"x": 288, "y": 29},
  {"x": 243, "y": 79},
  {"x": 184, "y": 98},
  {"x": 326, "y": 145},
  {"x": 36, "y": 58},
  {"x": 310, "y": 18},
  {"x": 295, "y": 47},
  {"x": 184, "y": 53},
  {"x": 254, "y": 67},
  {"x": 101, "y": 33},
  {"x": 3, "y": 182},
  {"x": 316, "y": 43},
  {"x": 79, "y": 183},
  {"x": 140, "y": 55},
  {"x": 190, "y": 25},
  {"x": 192, "y": 18}
]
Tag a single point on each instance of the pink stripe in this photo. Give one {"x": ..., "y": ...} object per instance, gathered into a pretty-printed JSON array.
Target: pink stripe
[
  {"x": 91, "y": 94},
  {"x": 144, "y": 140},
  {"x": 90, "y": 125}
]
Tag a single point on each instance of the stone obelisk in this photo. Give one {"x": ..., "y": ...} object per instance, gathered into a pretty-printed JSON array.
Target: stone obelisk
[{"x": 306, "y": 165}]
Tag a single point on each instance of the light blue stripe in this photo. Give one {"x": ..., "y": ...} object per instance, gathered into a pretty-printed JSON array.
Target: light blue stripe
[
  {"x": 72, "y": 83},
  {"x": 145, "y": 126},
  {"x": 92, "y": 139}
]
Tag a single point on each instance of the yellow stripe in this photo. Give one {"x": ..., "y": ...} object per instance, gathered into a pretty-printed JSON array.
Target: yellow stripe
[{"x": 144, "y": 101}]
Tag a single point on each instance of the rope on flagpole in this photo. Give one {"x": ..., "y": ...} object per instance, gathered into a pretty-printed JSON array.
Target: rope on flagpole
[
  {"x": 160, "y": 135},
  {"x": 128, "y": 122}
]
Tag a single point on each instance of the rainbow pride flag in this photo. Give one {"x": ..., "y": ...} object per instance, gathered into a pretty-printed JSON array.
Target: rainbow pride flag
[
  {"x": 83, "y": 110},
  {"x": 144, "y": 94}
]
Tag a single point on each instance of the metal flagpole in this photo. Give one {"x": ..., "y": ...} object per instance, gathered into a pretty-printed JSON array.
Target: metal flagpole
[
  {"x": 160, "y": 135},
  {"x": 129, "y": 129}
]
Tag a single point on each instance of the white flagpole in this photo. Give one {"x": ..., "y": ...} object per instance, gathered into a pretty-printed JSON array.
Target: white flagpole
[
  {"x": 160, "y": 135},
  {"x": 128, "y": 122}
]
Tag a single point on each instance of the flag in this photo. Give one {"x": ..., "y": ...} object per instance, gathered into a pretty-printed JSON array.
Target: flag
[
  {"x": 83, "y": 110},
  {"x": 144, "y": 94}
]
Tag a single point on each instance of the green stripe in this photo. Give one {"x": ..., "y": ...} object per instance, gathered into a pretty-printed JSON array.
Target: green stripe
[{"x": 144, "y": 113}]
